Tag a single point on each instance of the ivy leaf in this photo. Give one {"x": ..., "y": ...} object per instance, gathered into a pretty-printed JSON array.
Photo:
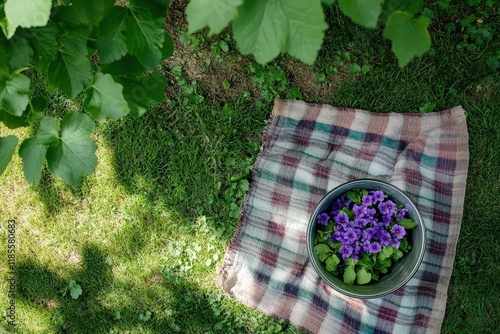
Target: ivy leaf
[
  {"x": 141, "y": 93},
  {"x": 7, "y": 147},
  {"x": 105, "y": 97},
  {"x": 216, "y": 14},
  {"x": 14, "y": 94},
  {"x": 44, "y": 43},
  {"x": 362, "y": 12},
  {"x": 71, "y": 71},
  {"x": 407, "y": 223},
  {"x": 362, "y": 276},
  {"x": 72, "y": 156},
  {"x": 409, "y": 36},
  {"x": 26, "y": 14},
  {"x": 332, "y": 262},
  {"x": 267, "y": 27},
  {"x": 349, "y": 274},
  {"x": 33, "y": 154}
]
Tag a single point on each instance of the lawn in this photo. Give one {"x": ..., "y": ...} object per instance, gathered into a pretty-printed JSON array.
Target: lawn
[{"x": 144, "y": 235}]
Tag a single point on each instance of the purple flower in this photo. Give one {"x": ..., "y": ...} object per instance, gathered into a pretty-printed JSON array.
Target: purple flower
[
  {"x": 398, "y": 231},
  {"x": 350, "y": 236},
  {"x": 395, "y": 243},
  {"x": 360, "y": 210},
  {"x": 386, "y": 220},
  {"x": 366, "y": 245},
  {"x": 349, "y": 225},
  {"x": 334, "y": 214},
  {"x": 378, "y": 196},
  {"x": 323, "y": 219},
  {"x": 374, "y": 247},
  {"x": 385, "y": 238},
  {"x": 387, "y": 208},
  {"x": 401, "y": 214},
  {"x": 337, "y": 205},
  {"x": 367, "y": 200},
  {"x": 342, "y": 219},
  {"x": 345, "y": 251}
]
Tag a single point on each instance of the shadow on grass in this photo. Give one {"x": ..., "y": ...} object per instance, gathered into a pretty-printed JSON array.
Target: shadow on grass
[{"x": 43, "y": 290}]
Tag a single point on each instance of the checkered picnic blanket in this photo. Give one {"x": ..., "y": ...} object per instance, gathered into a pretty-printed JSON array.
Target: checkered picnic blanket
[{"x": 308, "y": 149}]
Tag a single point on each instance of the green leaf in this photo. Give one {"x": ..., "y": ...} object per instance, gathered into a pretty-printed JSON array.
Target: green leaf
[
  {"x": 397, "y": 255},
  {"x": 91, "y": 11},
  {"x": 332, "y": 262},
  {"x": 363, "y": 276},
  {"x": 73, "y": 155},
  {"x": 349, "y": 274},
  {"x": 267, "y": 27},
  {"x": 139, "y": 94},
  {"x": 111, "y": 44},
  {"x": 354, "y": 195},
  {"x": 14, "y": 94},
  {"x": 105, "y": 98},
  {"x": 33, "y": 154},
  {"x": 385, "y": 253},
  {"x": 71, "y": 71},
  {"x": 14, "y": 122},
  {"x": 75, "y": 290},
  {"x": 128, "y": 66},
  {"x": 328, "y": 2},
  {"x": 216, "y": 14},
  {"x": 48, "y": 130},
  {"x": 145, "y": 33},
  {"x": 362, "y": 12},
  {"x": 26, "y": 14},
  {"x": 407, "y": 223},
  {"x": 412, "y": 6},
  {"x": 44, "y": 43},
  {"x": 7, "y": 147},
  {"x": 409, "y": 36},
  {"x": 18, "y": 53},
  {"x": 168, "y": 47},
  {"x": 323, "y": 251}
]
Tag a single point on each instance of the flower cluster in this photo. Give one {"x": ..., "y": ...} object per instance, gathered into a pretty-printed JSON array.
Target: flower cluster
[{"x": 365, "y": 226}]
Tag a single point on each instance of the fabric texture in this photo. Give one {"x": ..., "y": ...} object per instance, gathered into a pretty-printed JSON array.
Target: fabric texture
[{"x": 308, "y": 149}]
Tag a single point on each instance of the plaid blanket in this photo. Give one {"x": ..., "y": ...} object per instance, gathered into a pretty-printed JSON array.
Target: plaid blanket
[{"x": 309, "y": 149}]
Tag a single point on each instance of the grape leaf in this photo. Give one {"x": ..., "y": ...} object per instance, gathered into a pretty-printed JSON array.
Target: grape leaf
[
  {"x": 409, "y": 36},
  {"x": 362, "y": 12},
  {"x": 44, "y": 43},
  {"x": 48, "y": 130},
  {"x": 14, "y": 94},
  {"x": 111, "y": 43},
  {"x": 268, "y": 27},
  {"x": 362, "y": 276},
  {"x": 72, "y": 155},
  {"x": 139, "y": 94},
  {"x": 7, "y": 147},
  {"x": 70, "y": 72},
  {"x": 26, "y": 14},
  {"x": 105, "y": 98},
  {"x": 91, "y": 11},
  {"x": 144, "y": 33},
  {"x": 216, "y": 14},
  {"x": 18, "y": 53},
  {"x": 14, "y": 122},
  {"x": 33, "y": 154}
]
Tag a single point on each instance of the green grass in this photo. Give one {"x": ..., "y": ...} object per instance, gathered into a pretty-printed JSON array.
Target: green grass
[{"x": 148, "y": 230}]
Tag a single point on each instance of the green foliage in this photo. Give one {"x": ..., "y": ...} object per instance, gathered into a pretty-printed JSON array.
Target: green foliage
[
  {"x": 267, "y": 28},
  {"x": 58, "y": 38},
  {"x": 74, "y": 289},
  {"x": 7, "y": 147}
]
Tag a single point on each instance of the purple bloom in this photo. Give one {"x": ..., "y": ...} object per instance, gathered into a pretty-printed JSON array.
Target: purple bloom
[
  {"x": 374, "y": 247},
  {"x": 395, "y": 243},
  {"x": 401, "y": 214},
  {"x": 350, "y": 236},
  {"x": 337, "y": 205},
  {"x": 386, "y": 220},
  {"x": 398, "y": 231},
  {"x": 366, "y": 245},
  {"x": 323, "y": 219},
  {"x": 360, "y": 210},
  {"x": 378, "y": 196},
  {"x": 367, "y": 200},
  {"x": 342, "y": 219},
  {"x": 387, "y": 208},
  {"x": 334, "y": 214},
  {"x": 345, "y": 251},
  {"x": 349, "y": 225},
  {"x": 385, "y": 238}
]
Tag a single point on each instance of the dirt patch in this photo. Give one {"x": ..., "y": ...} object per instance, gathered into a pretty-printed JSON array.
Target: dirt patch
[{"x": 211, "y": 78}]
